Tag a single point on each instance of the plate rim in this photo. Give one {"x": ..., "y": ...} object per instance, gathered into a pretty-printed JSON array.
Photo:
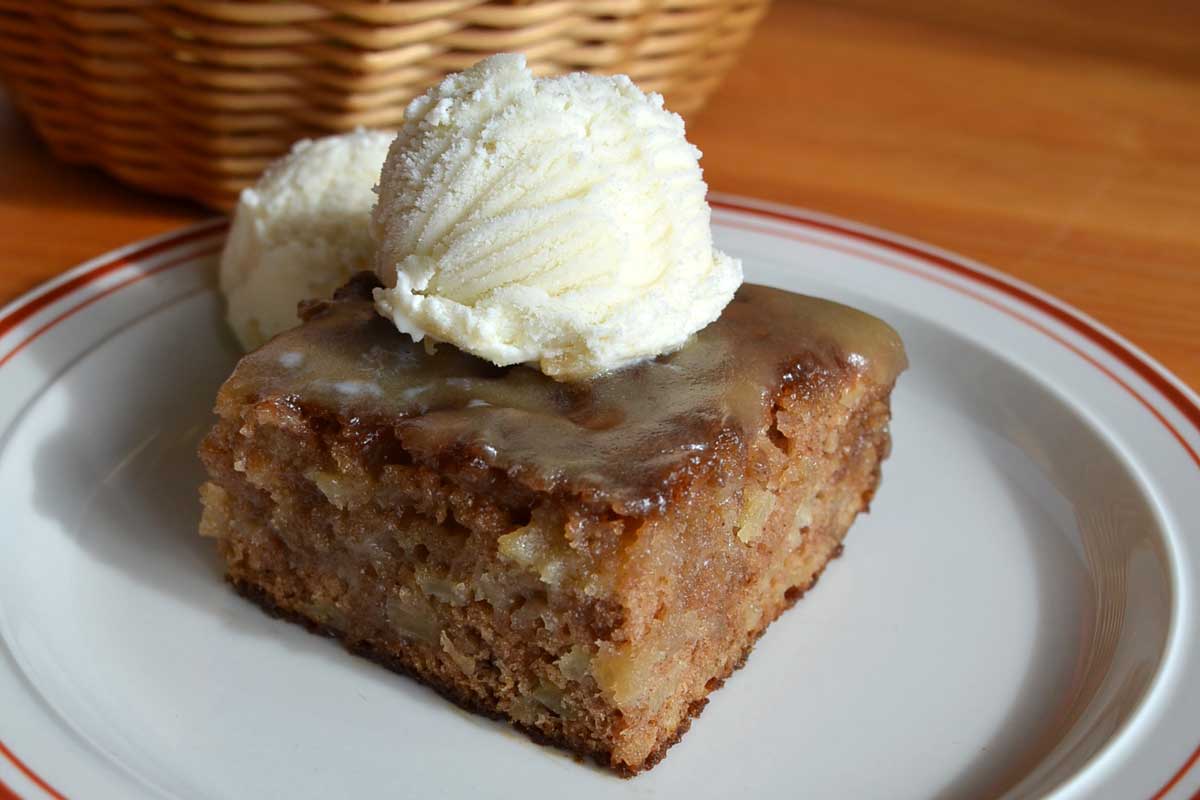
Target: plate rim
[{"x": 778, "y": 219}]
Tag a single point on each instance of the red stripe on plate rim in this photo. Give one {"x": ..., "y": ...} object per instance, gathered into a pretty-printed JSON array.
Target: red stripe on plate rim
[
  {"x": 1172, "y": 393},
  {"x": 7, "y": 793},
  {"x": 982, "y": 298},
  {"x": 141, "y": 276},
  {"x": 28, "y": 773},
  {"x": 25, "y": 310}
]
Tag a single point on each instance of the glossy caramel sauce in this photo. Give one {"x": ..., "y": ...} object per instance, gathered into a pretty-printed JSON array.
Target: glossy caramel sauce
[{"x": 622, "y": 438}]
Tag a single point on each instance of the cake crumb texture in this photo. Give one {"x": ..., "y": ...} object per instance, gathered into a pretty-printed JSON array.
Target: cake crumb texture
[{"x": 588, "y": 622}]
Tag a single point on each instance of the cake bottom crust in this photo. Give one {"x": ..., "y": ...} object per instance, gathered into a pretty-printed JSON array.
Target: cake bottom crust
[{"x": 464, "y": 700}]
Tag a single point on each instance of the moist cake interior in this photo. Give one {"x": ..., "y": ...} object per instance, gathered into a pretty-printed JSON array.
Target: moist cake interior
[{"x": 586, "y": 560}]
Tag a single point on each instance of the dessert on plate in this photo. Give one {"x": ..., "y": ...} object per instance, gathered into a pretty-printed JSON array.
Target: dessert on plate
[{"x": 549, "y": 459}]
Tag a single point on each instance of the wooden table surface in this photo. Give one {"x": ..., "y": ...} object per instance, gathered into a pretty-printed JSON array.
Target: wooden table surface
[{"x": 1059, "y": 142}]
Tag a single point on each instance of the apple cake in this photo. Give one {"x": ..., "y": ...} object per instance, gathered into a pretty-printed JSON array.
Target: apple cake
[{"x": 586, "y": 560}]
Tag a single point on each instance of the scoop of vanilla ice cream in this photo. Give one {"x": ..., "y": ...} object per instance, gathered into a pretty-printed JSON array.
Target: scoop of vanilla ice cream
[
  {"x": 560, "y": 221},
  {"x": 300, "y": 231}
]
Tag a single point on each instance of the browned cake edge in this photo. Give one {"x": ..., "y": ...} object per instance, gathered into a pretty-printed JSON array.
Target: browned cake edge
[
  {"x": 852, "y": 485},
  {"x": 263, "y": 599},
  {"x": 854, "y": 481},
  {"x": 263, "y": 450}
]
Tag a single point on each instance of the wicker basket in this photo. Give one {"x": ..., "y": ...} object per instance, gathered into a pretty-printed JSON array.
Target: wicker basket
[{"x": 194, "y": 97}]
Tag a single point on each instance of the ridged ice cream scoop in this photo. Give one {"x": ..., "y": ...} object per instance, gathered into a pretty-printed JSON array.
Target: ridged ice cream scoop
[{"x": 560, "y": 222}]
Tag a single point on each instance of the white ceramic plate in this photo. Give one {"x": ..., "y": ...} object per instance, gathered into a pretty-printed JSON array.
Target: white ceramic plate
[{"x": 1018, "y": 613}]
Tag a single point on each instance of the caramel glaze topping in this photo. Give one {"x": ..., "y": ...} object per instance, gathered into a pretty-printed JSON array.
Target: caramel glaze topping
[{"x": 624, "y": 439}]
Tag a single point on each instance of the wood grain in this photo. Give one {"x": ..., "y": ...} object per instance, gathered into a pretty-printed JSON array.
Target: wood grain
[{"x": 1057, "y": 141}]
